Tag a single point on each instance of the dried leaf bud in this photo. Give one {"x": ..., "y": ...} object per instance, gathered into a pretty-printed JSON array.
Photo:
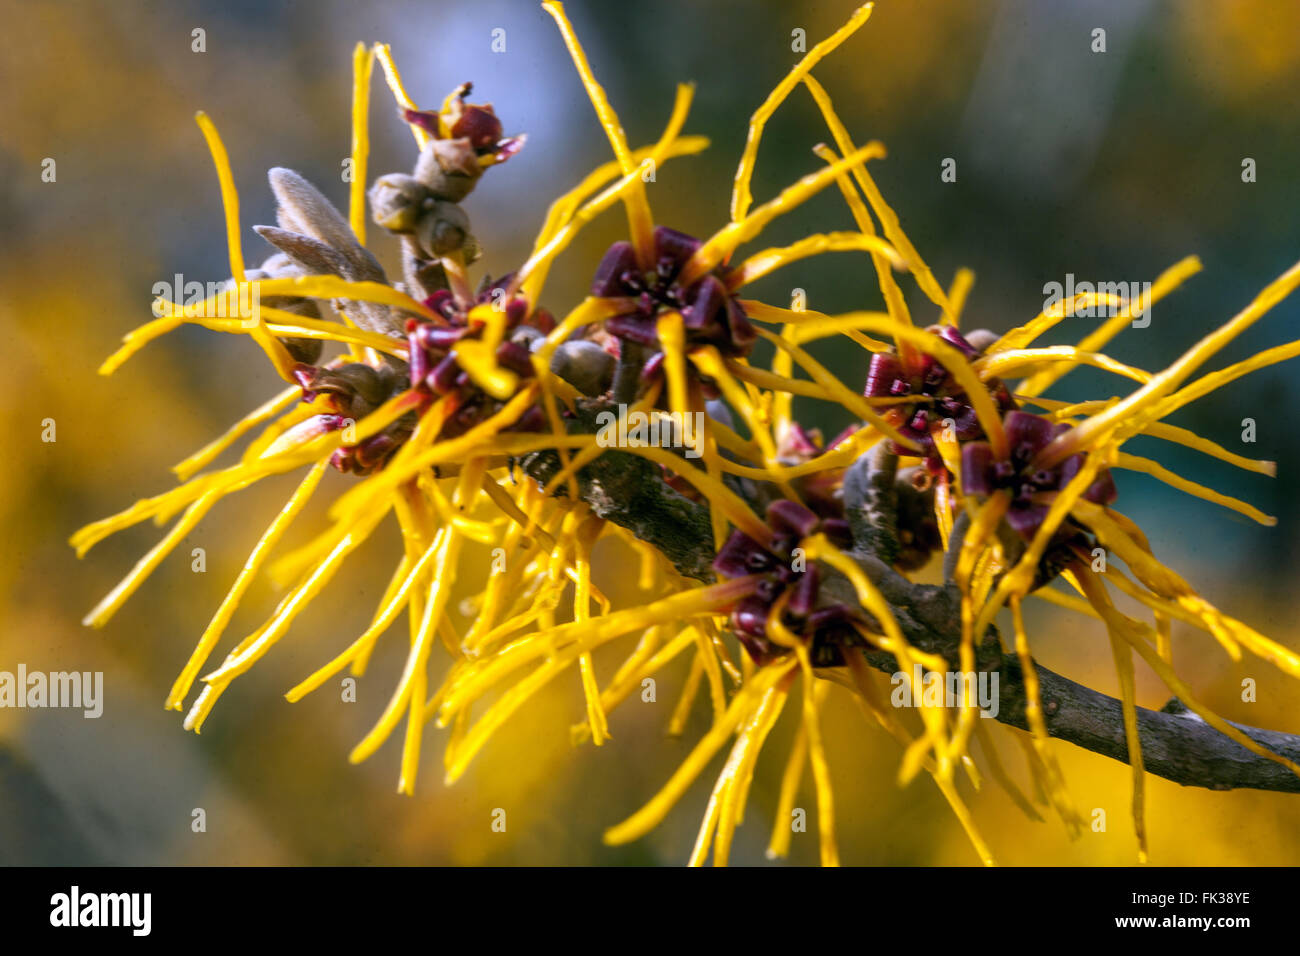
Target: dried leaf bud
[{"x": 397, "y": 201}]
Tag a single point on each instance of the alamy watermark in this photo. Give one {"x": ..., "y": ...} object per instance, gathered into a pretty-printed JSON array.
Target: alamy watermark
[
  {"x": 76, "y": 689},
  {"x": 1128, "y": 294},
  {"x": 225, "y": 300},
  {"x": 75, "y": 908},
  {"x": 946, "y": 689},
  {"x": 638, "y": 429}
]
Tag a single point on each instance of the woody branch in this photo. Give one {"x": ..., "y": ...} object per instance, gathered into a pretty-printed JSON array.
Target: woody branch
[{"x": 1176, "y": 744}]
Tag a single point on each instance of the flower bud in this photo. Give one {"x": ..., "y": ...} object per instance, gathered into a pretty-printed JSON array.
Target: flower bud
[
  {"x": 478, "y": 124},
  {"x": 584, "y": 365},
  {"x": 397, "y": 201},
  {"x": 449, "y": 168},
  {"x": 981, "y": 339},
  {"x": 527, "y": 336},
  {"x": 442, "y": 230}
]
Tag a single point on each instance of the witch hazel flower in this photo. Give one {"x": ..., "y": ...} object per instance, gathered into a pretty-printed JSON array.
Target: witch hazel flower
[
  {"x": 789, "y": 586},
  {"x": 437, "y": 349},
  {"x": 353, "y": 390},
  {"x": 464, "y": 414},
  {"x": 929, "y": 397},
  {"x": 1022, "y": 475},
  {"x": 1030, "y": 485},
  {"x": 468, "y": 125},
  {"x": 710, "y": 314}
]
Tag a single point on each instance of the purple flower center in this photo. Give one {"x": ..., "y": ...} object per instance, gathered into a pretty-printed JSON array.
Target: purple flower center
[
  {"x": 786, "y": 573},
  {"x": 710, "y": 314}
]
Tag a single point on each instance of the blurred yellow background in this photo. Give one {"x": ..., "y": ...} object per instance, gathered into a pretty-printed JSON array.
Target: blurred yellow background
[{"x": 1108, "y": 165}]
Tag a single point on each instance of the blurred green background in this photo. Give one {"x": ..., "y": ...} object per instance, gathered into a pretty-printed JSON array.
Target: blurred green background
[{"x": 1108, "y": 166}]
